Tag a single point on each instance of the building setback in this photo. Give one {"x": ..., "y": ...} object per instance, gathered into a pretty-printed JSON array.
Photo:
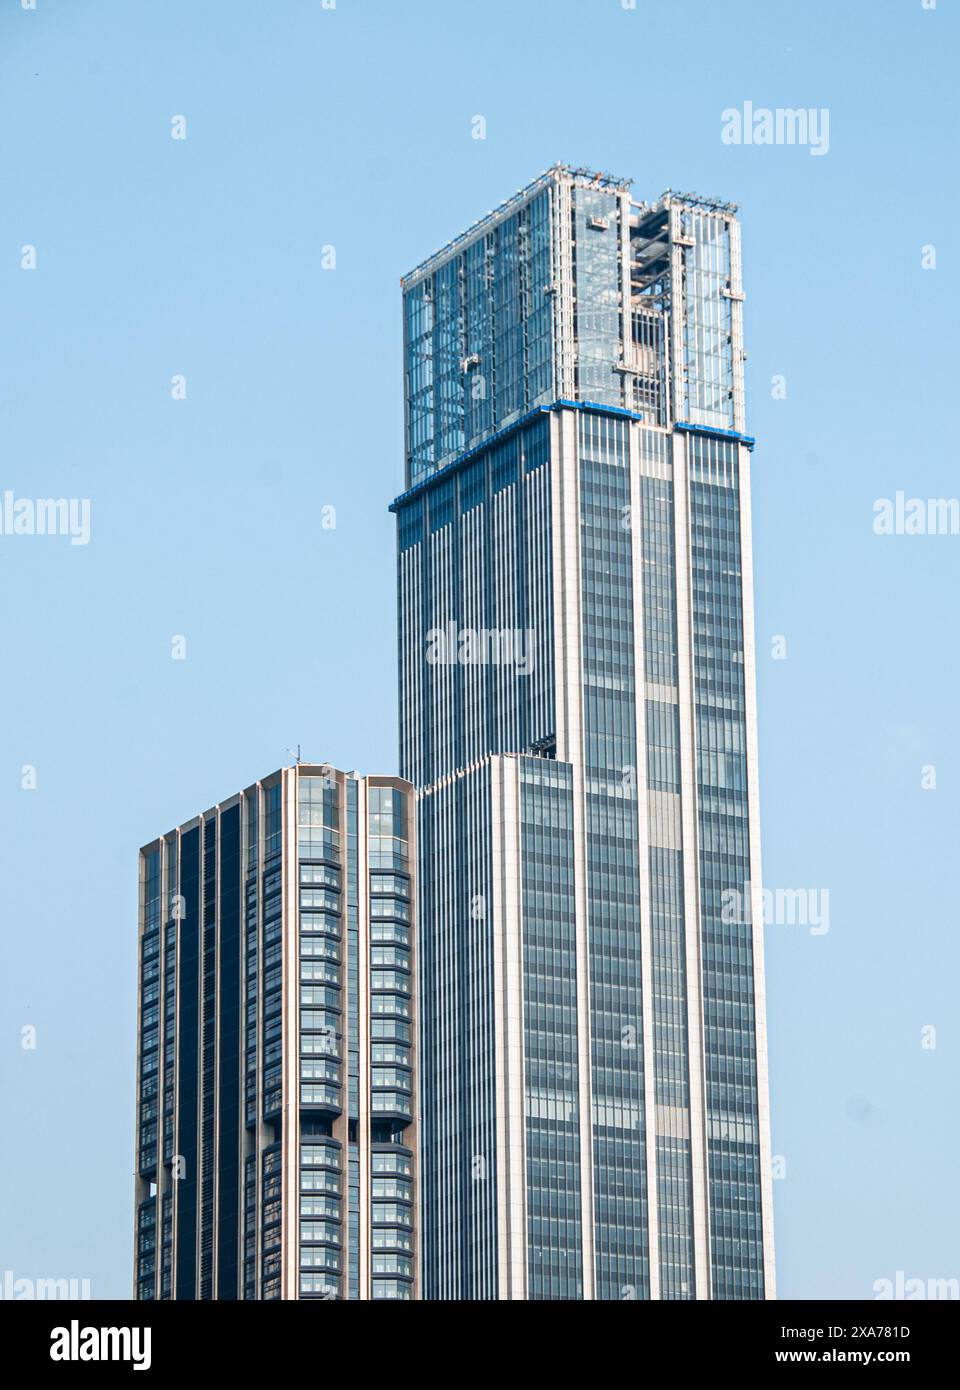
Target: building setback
[
  {"x": 578, "y": 716},
  {"x": 276, "y": 1093}
]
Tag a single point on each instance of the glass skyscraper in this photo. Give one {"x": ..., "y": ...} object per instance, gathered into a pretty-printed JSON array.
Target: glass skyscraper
[
  {"x": 276, "y": 1079},
  {"x": 578, "y": 717}
]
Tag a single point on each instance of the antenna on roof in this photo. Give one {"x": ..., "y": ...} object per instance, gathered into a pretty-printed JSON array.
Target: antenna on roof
[{"x": 290, "y": 750}]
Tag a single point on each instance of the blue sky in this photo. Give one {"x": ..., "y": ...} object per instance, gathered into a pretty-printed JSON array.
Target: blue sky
[{"x": 351, "y": 127}]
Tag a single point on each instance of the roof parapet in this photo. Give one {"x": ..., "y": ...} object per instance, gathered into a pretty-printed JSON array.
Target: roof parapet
[
  {"x": 586, "y": 178},
  {"x": 697, "y": 200}
]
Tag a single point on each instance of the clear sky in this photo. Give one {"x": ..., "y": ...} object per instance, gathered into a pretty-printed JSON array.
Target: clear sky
[{"x": 351, "y": 127}]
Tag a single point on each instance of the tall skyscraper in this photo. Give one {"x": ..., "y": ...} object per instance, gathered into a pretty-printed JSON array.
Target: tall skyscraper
[
  {"x": 578, "y": 716},
  {"x": 276, "y": 1094}
]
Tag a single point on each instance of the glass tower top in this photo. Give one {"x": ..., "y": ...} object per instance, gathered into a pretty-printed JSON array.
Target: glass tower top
[{"x": 573, "y": 291}]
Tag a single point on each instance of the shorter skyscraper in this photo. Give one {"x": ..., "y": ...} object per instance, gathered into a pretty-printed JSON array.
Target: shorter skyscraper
[{"x": 276, "y": 1080}]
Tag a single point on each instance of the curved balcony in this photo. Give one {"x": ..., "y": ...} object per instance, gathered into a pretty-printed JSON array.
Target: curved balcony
[
  {"x": 323, "y": 1096},
  {"x": 390, "y": 1104}
]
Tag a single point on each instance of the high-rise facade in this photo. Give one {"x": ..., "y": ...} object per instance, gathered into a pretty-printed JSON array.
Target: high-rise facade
[
  {"x": 578, "y": 716},
  {"x": 276, "y": 1092}
]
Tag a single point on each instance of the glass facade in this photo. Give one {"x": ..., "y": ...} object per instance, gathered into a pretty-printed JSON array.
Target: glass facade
[
  {"x": 551, "y": 1086},
  {"x": 733, "y": 1138},
  {"x": 476, "y": 560},
  {"x": 479, "y": 337},
  {"x": 594, "y": 1118},
  {"x": 598, "y": 298},
  {"x": 709, "y": 377},
  {"x": 280, "y": 925},
  {"x": 458, "y": 1036},
  {"x": 614, "y": 889}
]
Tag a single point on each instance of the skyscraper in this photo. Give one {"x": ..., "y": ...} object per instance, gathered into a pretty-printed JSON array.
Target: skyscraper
[
  {"x": 276, "y": 1133},
  {"x": 578, "y": 716}
]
